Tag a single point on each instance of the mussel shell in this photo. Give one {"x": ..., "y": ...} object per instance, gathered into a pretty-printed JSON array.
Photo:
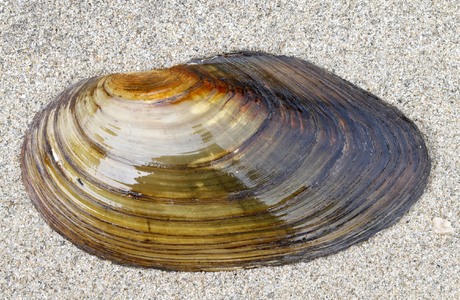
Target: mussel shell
[{"x": 237, "y": 161}]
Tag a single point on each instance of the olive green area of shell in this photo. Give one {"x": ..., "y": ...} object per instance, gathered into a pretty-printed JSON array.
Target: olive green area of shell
[{"x": 237, "y": 161}]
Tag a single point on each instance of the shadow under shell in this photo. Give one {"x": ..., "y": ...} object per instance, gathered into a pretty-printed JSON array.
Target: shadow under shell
[{"x": 237, "y": 161}]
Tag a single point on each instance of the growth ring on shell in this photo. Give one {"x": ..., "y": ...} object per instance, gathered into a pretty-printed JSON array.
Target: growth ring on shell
[{"x": 237, "y": 161}]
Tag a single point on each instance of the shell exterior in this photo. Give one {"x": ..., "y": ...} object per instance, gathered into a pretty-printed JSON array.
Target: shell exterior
[{"x": 237, "y": 161}]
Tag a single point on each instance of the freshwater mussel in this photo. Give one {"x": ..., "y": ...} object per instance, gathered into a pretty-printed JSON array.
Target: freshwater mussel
[{"x": 236, "y": 161}]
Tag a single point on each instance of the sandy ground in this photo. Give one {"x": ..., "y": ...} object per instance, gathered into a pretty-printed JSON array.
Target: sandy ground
[{"x": 407, "y": 54}]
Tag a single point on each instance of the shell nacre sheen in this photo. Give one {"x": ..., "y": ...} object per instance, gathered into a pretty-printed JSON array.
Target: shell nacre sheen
[{"x": 236, "y": 161}]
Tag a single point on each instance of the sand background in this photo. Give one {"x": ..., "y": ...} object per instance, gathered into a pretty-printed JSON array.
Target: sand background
[{"x": 406, "y": 53}]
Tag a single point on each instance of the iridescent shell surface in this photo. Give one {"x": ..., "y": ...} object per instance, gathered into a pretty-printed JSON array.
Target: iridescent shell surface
[{"x": 237, "y": 161}]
